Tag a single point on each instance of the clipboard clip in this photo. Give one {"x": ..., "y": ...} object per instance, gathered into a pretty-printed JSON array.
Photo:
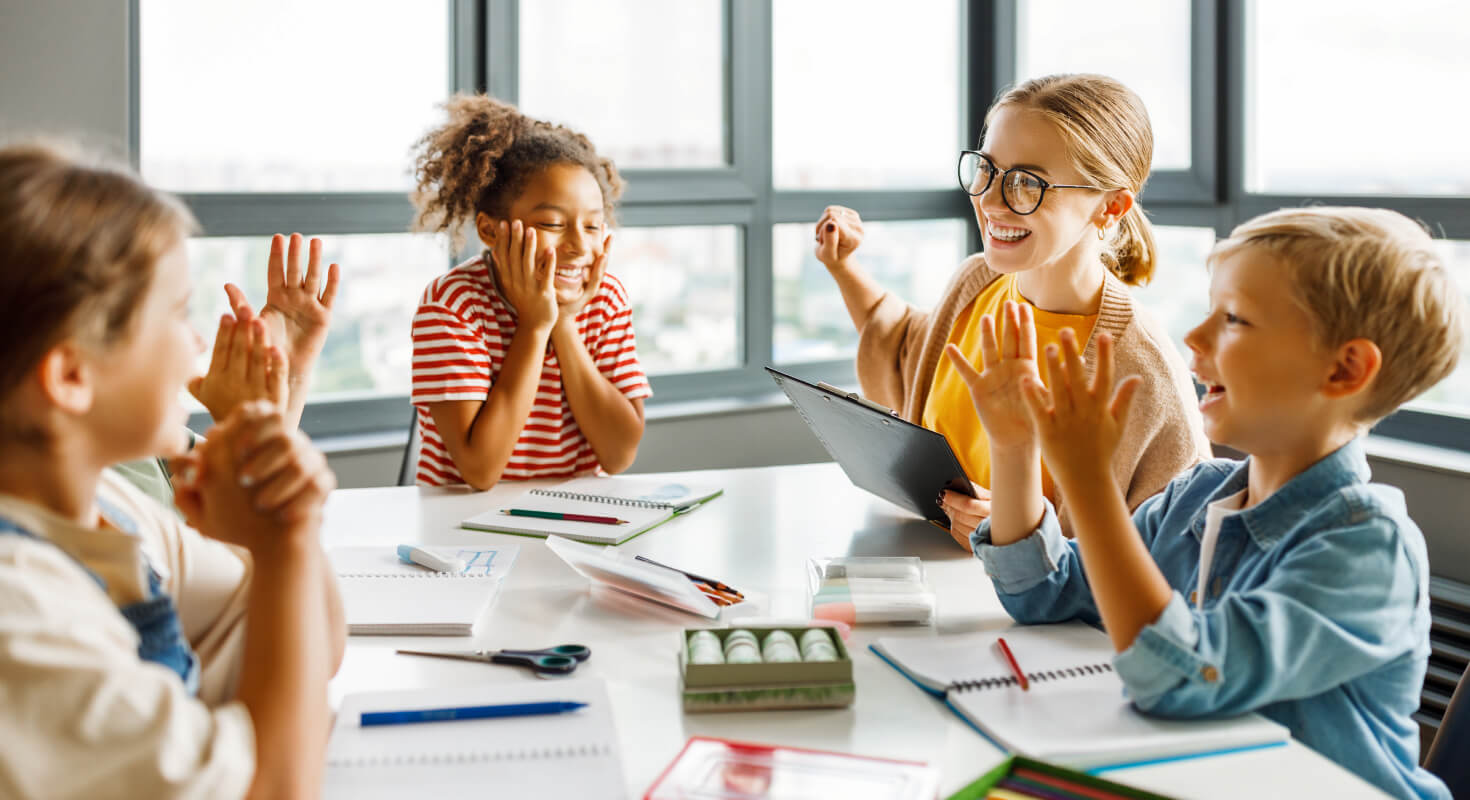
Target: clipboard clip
[{"x": 857, "y": 398}]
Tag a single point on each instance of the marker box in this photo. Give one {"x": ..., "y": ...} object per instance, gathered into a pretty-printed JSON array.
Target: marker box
[{"x": 863, "y": 590}]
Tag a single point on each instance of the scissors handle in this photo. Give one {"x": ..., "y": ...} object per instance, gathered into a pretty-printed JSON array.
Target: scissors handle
[{"x": 562, "y": 658}]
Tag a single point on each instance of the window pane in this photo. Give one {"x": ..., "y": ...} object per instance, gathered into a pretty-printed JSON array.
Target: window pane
[
  {"x": 684, "y": 284},
  {"x": 1151, "y": 59},
  {"x": 368, "y": 350},
  {"x": 1179, "y": 294},
  {"x": 285, "y": 95},
  {"x": 643, "y": 79},
  {"x": 913, "y": 259},
  {"x": 1346, "y": 97},
  {"x": 1453, "y": 393},
  {"x": 865, "y": 98}
]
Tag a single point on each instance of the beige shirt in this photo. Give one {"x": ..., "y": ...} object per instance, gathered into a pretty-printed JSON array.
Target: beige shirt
[
  {"x": 900, "y": 347},
  {"x": 81, "y": 714}
]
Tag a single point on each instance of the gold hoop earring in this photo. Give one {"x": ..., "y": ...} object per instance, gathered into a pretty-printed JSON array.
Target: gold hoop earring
[{"x": 1102, "y": 234}]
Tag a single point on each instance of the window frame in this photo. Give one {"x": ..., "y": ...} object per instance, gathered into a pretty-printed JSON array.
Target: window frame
[{"x": 484, "y": 56}]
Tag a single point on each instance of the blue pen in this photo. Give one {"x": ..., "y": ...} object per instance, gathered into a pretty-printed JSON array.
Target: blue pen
[{"x": 467, "y": 712}]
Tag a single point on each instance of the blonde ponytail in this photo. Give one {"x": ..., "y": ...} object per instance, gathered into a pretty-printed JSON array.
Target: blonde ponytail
[{"x": 1131, "y": 254}]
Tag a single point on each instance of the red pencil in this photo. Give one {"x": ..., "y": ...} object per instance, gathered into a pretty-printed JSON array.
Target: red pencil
[{"x": 1015, "y": 668}]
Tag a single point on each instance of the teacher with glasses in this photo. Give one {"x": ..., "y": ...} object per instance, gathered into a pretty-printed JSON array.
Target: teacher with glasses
[{"x": 1055, "y": 186}]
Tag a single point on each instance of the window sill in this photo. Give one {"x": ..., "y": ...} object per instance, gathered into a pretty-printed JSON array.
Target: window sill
[
  {"x": 1384, "y": 448},
  {"x": 1415, "y": 454},
  {"x": 657, "y": 412}
]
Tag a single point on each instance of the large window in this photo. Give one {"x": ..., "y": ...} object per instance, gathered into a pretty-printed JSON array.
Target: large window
[
  {"x": 644, "y": 78},
  {"x": 1344, "y": 98},
  {"x": 736, "y": 122},
  {"x": 286, "y": 96}
]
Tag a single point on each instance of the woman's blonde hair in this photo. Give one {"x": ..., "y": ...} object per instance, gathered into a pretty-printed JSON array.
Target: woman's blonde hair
[
  {"x": 79, "y": 239},
  {"x": 1110, "y": 141},
  {"x": 1366, "y": 273}
]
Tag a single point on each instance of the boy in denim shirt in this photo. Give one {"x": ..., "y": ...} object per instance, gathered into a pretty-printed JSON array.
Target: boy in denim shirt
[{"x": 1286, "y": 583}]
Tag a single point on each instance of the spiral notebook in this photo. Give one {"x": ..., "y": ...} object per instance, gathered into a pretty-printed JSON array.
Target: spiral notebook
[
  {"x": 383, "y": 595},
  {"x": 1075, "y": 713},
  {"x": 638, "y": 503},
  {"x": 551, "y": 755}
]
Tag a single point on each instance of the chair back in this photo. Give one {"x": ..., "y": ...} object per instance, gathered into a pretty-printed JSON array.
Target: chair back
[
  {"x": 409, "y": 468},
  {"x": 1449, "y": 755}
]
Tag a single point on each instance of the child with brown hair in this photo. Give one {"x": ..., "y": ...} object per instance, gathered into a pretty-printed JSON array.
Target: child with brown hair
[
  {"x": 1055, "y": 186},
  {"x": 524, "y": 362},
  {"x": 1285, "y": 583},
  {"x": 126, "y": 660}
]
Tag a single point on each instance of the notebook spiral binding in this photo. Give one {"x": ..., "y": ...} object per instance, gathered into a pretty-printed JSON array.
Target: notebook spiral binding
[
  {"x": 475, "y": 757},
  {"x": 599, "y": 498},
  {"x": 415, "y": 576},
  {"x": 1035, "y": 677}
]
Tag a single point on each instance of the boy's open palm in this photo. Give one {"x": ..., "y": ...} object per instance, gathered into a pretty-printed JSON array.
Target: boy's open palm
[
  {"x": 527, "y": 275},
  {"x": 1010, "y": 362},
  {"x": 1078, "y": 422}
]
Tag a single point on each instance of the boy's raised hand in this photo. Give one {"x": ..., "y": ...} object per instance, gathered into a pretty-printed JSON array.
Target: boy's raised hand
[
  {"x": 1078, "y": 423},
  {"x": 1010, "y": 362},
  {"x": 527, "y": 275},
  {"x": 839, "y": 233},
  {"x": 244, "y": 366}
]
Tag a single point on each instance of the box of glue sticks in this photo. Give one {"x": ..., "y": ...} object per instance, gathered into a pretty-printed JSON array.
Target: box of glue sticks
[{"x": 863, "y": 590}]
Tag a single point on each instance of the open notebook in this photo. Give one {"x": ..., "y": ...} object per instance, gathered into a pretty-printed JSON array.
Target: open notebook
[
  {"x": 639, "y": 502},
  {"x": 1075, "y": 713},
  {"x": 553, "y": 755},
  {"x": 383, "y": 595}
]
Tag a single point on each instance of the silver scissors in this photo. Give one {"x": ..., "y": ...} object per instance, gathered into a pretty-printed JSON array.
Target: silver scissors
[{"x": 547, "y": 662}]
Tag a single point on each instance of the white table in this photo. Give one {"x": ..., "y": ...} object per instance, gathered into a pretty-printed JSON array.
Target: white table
[{"x": 757, "y": 537}]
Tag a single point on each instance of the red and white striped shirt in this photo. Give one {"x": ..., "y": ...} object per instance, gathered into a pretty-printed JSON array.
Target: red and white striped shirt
[{"x": 460, "y": 336}]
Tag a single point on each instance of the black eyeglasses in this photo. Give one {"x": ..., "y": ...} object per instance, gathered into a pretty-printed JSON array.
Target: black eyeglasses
[{"x": 1020, "y": 190}]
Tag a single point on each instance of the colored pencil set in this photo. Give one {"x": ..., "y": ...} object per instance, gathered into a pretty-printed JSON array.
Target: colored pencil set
[{"x": 721, "y": 593}]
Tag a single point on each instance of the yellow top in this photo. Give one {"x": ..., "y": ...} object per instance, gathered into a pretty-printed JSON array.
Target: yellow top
[{"x": 949, "y": 409}]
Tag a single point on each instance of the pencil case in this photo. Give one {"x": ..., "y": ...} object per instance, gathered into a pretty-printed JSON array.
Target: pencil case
[{"x": 863, "y": 590}]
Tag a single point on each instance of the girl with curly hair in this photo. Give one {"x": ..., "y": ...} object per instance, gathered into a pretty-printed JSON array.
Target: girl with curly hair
[{"x": 524, "y": 362}]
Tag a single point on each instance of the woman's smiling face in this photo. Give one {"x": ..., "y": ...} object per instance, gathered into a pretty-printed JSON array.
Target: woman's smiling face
[{"x": 1059, "y": 229}]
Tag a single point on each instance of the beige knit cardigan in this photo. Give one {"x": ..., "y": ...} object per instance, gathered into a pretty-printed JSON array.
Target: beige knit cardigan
[{"x": 900, "y": 347}]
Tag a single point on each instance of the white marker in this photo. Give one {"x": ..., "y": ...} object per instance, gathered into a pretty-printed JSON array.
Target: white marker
[{"x": 434, "y": 561}]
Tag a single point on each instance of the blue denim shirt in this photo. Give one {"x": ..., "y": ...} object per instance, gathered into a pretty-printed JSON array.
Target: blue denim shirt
[{"x": 1316, "y": 612}]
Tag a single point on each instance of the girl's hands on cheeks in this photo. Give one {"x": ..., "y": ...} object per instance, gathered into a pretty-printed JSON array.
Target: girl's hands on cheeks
[
  {"x": 1078, "y": 423},
  {"x": 527, "y": 275},
  {"x": 965, "y": 512},
  {"x": 1010, "y": 364},
  {"x": 567, "y": 314},
  {"x": 839, "y": 233},
  {"x": 244, "y": 367}
]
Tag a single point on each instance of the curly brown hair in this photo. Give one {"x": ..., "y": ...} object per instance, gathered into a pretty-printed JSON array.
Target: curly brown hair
[{"x": 481, "y": 159}]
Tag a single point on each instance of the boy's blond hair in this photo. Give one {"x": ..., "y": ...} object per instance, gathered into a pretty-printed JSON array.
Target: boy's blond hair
[{"x": 1367, "y": 273}]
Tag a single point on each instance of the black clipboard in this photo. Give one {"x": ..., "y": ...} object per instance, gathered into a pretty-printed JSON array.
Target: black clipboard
[{"x": 903, "y": 463}]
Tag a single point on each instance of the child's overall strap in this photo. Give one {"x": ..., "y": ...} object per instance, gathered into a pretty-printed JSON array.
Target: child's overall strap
[{"x": 160, "y": 635}]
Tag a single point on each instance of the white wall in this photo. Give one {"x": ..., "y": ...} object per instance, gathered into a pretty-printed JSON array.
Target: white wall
[{"x": 64, "y": 68}]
